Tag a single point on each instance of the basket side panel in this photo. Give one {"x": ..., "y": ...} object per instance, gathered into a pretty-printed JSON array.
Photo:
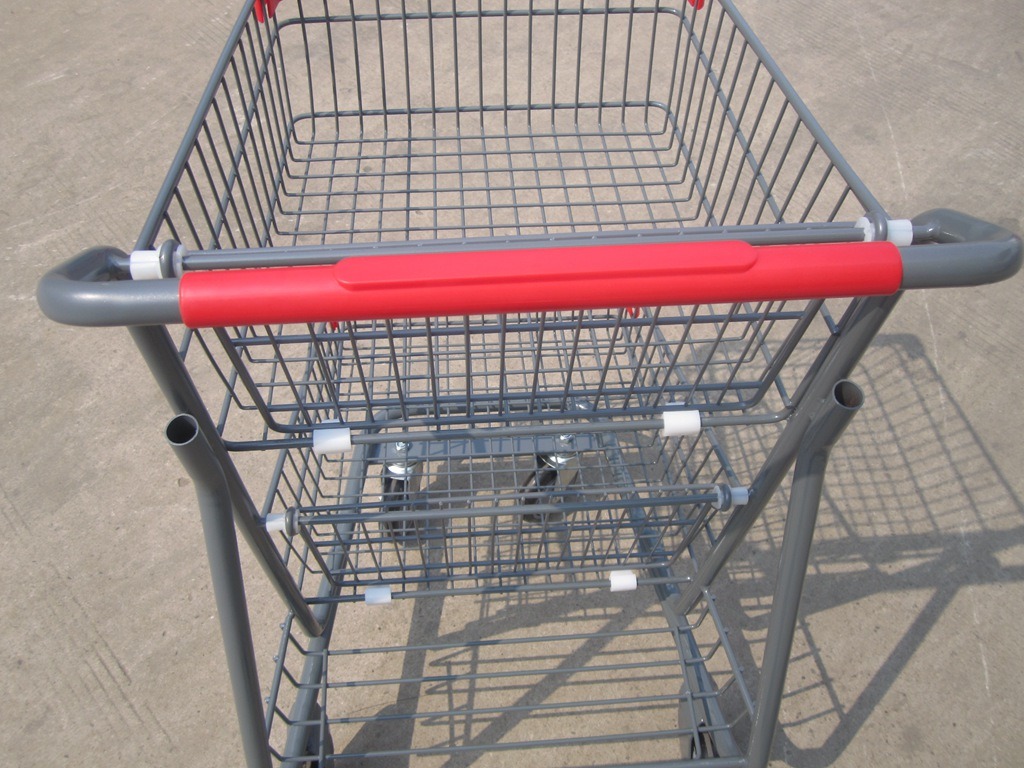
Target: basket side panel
[{"x": 416, "y": 123}]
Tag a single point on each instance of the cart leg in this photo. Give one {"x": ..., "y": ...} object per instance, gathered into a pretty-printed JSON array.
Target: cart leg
[
  {"x": 835, "y": 364},
  {"x": 228, "y": 588},
  {"x": 826, "y": 427},
  {"x": 160, "y": 354}
]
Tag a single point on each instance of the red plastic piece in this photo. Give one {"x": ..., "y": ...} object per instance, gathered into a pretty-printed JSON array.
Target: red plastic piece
[
  {"x": 698, "y": 4},
  {"x": 547, "y": 279},
  {"x": 265, "y": 9}
]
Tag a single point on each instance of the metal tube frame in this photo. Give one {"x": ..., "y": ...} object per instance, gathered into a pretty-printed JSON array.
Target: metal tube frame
[
  {"x": 195, "y": 453},
  {"x": 809, "y": 426},
  {"x": 154, "y": 342},
  {"x": 827, "y": 425},
  {"x": 835, "y": 363}
]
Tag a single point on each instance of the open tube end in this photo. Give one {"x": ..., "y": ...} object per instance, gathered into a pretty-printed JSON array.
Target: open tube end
[
  {"x": 848, "y": 395},
  {"x": 181, "y": 430}
]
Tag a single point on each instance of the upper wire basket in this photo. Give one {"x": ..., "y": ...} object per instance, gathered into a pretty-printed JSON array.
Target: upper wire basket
[{"x": 531, "y": 124}]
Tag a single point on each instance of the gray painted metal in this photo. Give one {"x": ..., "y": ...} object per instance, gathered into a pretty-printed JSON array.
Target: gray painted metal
[
  {"x": 90, "y": 290},
  {"x": 319, "y": 255},
  {"x": 963, "y": 251},
  {"x": 826, "y": 427},
  {"x": 160, "y": 354},
  {"x": 195, "y": 454},
  {"x": 834, "y": 365}
]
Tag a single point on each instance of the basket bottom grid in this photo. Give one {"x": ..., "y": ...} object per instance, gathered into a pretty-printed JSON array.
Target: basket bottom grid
[
  {"x": 487, "y": 174},
  {"x": 508, "y": 514},
  {"x": 575, "y": 681}
]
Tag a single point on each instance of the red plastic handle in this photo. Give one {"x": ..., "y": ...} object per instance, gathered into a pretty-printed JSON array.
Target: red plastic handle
[
  {"x": 264, "y": 9},
  {"x": 576, "y": 278}
]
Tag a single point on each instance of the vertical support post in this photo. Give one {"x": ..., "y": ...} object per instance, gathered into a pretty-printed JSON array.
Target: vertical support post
[
  {"x": 834, "y": 364},
  {"x": 195, "y": 454},
  {"x": 164, "y": 361},
  {"x": 827, "y": 425}
]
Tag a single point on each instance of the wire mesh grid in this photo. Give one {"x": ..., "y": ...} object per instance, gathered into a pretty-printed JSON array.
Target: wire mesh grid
[
  {"x": 472, "y": 517},
  {"x": 545, "y": 117},
  {"x": 519, "y": 118},
  {"x": 553, "y": 656},
  {"x": 512, "y": 369},
  {"x": 576, "y": 685}
]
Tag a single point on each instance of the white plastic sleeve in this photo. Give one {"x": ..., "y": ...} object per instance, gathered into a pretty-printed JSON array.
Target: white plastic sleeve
[
  {"x": 622, "y": 581},
  {"x": 277, "y": 523},
  {"x": 332, "y": 440},
  {"x": 144, "y": 265},
  {"x": 864, "y": 225},
  {"x": 901, "y": 232},
  {"x": 740, "y": 496},
  {"x": 378, "y": 594},
  {"x": 679, "y": 423}
]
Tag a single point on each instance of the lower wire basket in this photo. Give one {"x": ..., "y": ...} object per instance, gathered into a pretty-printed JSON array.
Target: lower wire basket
[
  {"x": 530, "y": 579},
  {"x": 575, "y": 679}
]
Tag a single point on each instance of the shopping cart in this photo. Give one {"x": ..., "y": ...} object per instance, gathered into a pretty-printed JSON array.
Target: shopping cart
[{"x": 503, "y": 324}]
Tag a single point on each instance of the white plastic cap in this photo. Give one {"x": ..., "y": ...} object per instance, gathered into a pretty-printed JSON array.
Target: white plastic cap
[
  {"x": 901, "y": 231},
  {"x": 622, "y": 581},
  {"x": 277, "y": 523},
  {"x": 144, "y": 265},
  {"x": 738, "y": 496},
  {"x": 332, "y": 440},
  {"x": 680, "y": 423},
  {"x": 898, "y": 231},
  {"x": 378, "y": 594},
  {"x": 865, "y": 226}
]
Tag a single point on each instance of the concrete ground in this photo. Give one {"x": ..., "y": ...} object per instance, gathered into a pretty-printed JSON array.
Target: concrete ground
[{"x": 908, "y": 649}]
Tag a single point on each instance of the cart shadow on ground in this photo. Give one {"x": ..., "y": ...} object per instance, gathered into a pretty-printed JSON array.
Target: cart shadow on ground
[
  {"x": 471, "y": 723},
  {"x": 503, "y": 667},
  {"x": 916, "y": 515}
]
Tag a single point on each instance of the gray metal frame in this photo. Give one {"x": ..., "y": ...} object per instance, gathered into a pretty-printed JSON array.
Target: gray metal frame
[{"x": 278, "y": 169}]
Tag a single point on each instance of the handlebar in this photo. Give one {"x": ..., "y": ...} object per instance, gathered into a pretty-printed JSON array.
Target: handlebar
[
  {"x": 958, "y": 250},
  {"x": 90, "y": 290},
  {"x": 951, "y": 250}
]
